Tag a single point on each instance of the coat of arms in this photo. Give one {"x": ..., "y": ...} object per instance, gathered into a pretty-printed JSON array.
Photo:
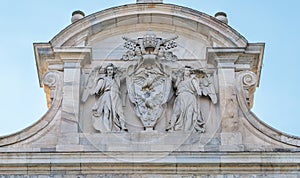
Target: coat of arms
[
  {"x": 150, "y": 85},
  {"x": 148, "y": 82}
]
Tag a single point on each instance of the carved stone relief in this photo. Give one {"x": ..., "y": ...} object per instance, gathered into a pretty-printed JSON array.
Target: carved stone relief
[
  {"x": 248, "y": 82},
  {"x": 107, "y": 112},
  {"x": 187, "y": 113},
  {"x": 152, "y": 83}
]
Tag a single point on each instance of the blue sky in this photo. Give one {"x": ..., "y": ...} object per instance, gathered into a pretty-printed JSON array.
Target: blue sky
[{"x": 274, "y": 22}]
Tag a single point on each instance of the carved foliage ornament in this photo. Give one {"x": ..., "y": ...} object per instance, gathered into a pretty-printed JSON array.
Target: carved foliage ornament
[
  {"x": 150, "y": 84},
  {"x": 150, "y": 44}
]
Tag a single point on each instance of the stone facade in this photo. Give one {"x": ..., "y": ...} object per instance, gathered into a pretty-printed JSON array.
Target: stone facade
[{"x": 149, "y": 90}]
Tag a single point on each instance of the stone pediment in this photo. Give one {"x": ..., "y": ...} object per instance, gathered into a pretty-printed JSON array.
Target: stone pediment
[{"x": 157, "y": 79}]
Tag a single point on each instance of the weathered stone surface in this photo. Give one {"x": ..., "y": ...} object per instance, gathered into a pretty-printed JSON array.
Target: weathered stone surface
[{"x": 154, "y": 90}]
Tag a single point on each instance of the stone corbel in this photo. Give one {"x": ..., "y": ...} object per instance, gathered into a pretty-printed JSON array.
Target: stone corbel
[
  {"x": 52, "y": 86},
  {"x": 246, "y": 83}
]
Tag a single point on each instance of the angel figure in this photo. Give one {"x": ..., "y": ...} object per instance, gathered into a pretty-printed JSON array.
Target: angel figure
[
  {"x": 186, "y": 109},
  {"x": 107, "y": 111}
]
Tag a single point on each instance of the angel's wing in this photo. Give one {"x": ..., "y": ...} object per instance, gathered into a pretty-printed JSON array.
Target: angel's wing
[
  {"x": 91, "y": 83},
  {"x": 208, "y": 88}
]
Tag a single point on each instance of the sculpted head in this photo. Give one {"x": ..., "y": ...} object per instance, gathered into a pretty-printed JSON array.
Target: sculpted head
[
  {"x": 187, "y": 71},
  {"x": 110, "y": 69}
]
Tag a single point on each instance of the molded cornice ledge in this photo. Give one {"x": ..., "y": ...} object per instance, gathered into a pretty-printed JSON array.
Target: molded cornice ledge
[
  {"x": 80, "y": 55},
  {"x": 115, "y": 14},
  {"x": 213, "y": 163},
  {"x": 248, "y": 58},
  {"x": 49, "y": 58}
]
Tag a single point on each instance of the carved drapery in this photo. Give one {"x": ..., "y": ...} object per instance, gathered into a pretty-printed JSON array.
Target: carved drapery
[{"x": 151, "y": 82}]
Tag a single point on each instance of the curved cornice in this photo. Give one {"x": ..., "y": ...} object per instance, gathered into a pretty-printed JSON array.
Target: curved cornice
[
  {"x": 53, "y": 80},
  {"x": 246, "y": 80},
  {"x": 144, "y": 9}
]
